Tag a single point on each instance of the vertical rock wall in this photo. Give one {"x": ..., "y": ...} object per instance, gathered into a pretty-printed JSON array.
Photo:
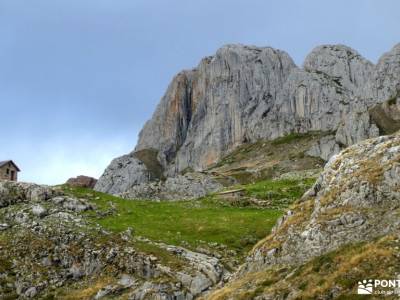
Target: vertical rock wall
[{"x": 246, "y": 93}]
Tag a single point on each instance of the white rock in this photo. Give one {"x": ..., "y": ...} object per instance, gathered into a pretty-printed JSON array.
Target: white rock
[{"x": 39, "y": 211}]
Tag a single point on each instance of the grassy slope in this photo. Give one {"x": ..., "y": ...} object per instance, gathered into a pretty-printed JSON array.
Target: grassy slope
[
  {"x": 180, "y": 222},
  {"x": 280, "y": 193},
  {"x": 213, "y": 219},
  {"x": 199, "y": 222}
]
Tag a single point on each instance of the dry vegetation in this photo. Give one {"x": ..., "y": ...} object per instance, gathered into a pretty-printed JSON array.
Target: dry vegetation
[
  {"x": 250, "y": 163},
  {"x": 335, "y": 272}
]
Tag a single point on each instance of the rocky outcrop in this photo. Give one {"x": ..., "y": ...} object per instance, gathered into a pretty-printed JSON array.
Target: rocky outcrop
[
  {"x": 386, "y": 115},
  {"x": 123, "y": 173},
  {"x": 181, "y": 187},
  {"x": 324, "y": 148},
  {"x": 243, "y": 94},
  {"x": 355, "y": 199},
  {"x": 16, "y": 192},
  {"x": 49, "y": 245},
  {"x": 82, "y": 181}
]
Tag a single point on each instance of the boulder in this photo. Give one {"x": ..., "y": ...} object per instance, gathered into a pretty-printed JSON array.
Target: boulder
[
  {"x": 82, "y": 181},
  {"x": 39, "y": 210},
  {"x": 188, "y": 186},
  {"x": 123, "y": 173}
]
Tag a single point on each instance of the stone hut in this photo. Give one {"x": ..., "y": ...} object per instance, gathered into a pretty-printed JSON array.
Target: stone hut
[{"x": 8, "y": 170}]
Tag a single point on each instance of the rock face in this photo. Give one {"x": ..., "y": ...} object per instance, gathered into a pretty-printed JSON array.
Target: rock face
[
  {"x": 205, "y": 111},
  {"x": 243, "y": 94},
  {"x": 82, "y": 181},
  {"x": 356, "y": 198}
]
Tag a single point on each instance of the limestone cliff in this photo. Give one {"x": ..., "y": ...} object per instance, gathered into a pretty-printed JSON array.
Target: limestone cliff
[{"x": 243, "y": 94}]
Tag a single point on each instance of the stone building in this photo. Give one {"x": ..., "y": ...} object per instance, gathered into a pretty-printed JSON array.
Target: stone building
[{"x": 8, "y": 170}]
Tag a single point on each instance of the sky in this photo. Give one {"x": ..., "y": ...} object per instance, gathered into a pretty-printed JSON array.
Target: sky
[{"x": 79, "y": 78}]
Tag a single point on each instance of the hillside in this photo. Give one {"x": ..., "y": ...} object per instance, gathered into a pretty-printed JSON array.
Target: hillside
[
  {"x": 77, "y": 243},
  {"x": 346, "y": 228},
  {"x": 80, "y": 244}
]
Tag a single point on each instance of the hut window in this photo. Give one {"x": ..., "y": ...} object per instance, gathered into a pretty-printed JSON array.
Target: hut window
[{"x": 8, "y": 171}]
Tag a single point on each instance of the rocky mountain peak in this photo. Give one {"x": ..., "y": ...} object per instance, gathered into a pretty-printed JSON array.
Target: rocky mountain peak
[
  {"x": 245, "y": 93},
  {"x": 345, "y": 65},
  {"x": 218, "y": 90},
  {"x": 387, "y": 75}
]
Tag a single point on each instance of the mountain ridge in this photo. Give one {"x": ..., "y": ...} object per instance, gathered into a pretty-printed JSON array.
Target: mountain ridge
[{"x": 245, "y": 93}]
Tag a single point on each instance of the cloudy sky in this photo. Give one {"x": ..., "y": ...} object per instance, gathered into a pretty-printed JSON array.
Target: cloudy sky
[{"x": 78, "y": 78}]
